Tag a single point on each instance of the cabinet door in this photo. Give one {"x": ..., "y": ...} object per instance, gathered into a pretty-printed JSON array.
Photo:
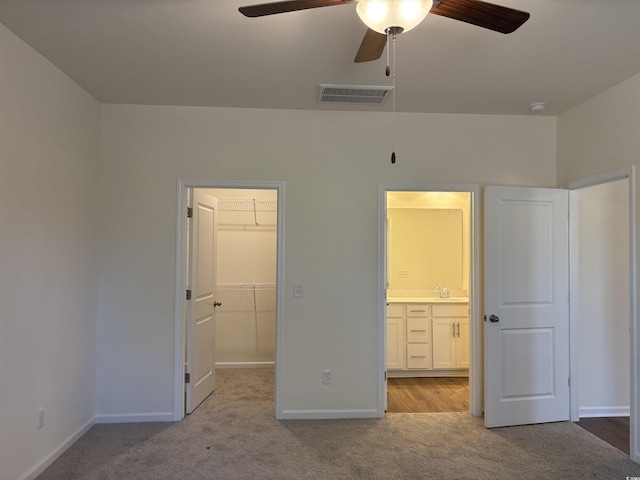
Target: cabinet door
[
  {"x": 444, "y": 342},
  {"x": 462, "y": 343},
  {"x": 395, "y": 343}
]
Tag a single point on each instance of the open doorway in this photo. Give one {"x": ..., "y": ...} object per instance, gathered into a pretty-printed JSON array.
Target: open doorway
[
  {"x": 246, "y": 278},
  {"x": 246, "y": 295},
  {"x": 602, "y": 311},
  {"x": 429, "y": 280}
]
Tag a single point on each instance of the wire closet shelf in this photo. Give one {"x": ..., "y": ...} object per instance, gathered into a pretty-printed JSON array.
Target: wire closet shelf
[
  {"x": 247, "y": 211},
  {"x": 247, "y": 298}
]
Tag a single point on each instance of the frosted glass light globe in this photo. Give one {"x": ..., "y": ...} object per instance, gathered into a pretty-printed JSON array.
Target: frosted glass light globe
[{"x": 380, "y": 15}]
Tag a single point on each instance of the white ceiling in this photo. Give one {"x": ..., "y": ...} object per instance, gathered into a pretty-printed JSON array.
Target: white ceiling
[{"x": 205, "y": 53}]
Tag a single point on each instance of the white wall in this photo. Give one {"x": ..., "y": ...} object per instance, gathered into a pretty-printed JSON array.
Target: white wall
[
  {"x": 603, "y": 306},
  {"x": 601, "y": 134},
  {"x": 331, "y": 163},
  {"x": 49, "y": 143}
]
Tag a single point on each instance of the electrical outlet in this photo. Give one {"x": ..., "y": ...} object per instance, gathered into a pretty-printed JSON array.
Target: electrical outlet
[
  {"x": 40, "y": 418},
  {"x": 326, "y": 377}
]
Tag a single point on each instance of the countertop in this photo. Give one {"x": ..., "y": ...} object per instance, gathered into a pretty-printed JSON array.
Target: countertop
[{"x": 427, "y": 300}]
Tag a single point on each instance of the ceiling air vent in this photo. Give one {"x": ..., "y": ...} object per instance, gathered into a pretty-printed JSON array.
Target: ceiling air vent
[{"x": 356, "y": 94}]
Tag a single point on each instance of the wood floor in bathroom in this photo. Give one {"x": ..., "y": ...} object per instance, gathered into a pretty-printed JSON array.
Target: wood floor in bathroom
[{"x": 427, "y": 394}]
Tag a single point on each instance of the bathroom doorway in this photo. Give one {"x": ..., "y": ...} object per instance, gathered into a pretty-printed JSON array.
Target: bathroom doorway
[{"x": 430, "y": 300}]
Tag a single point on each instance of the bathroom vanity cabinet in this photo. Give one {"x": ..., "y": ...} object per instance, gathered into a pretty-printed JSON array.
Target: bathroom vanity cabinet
[
  {"x": 427, "y": 338},
  {"x": 450, "y": 326}
]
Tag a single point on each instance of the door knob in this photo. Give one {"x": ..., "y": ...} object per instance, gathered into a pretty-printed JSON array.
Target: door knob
[
  {"x": 494, "y": 318},
  {"x": 217, "y": 304}
]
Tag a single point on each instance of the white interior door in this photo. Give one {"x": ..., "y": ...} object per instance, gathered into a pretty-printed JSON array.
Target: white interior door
[
  {"x": 201, "y": 309},
  {"x": 527, "y": 306}
]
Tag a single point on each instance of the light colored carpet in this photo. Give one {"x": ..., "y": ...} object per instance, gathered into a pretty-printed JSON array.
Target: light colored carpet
[{"x": 233, "y": 435}]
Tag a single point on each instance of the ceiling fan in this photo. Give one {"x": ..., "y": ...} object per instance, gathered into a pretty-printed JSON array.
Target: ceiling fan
[{"x": 401, "y": 16}]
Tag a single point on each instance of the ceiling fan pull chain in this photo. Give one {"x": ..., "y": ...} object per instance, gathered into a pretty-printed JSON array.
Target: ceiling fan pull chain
[
  {"x": 393, "y": 99},
  {"x": 387, "y": 70}
]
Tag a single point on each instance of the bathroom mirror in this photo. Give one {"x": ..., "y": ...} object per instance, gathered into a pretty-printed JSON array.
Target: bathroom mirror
[{"x": 424, "y": 248}]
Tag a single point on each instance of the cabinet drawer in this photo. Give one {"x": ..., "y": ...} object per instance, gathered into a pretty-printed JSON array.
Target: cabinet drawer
[
  {"x": 418, "y": 329},
  {"x": 451, "y": 310},
  {"x": 395, "y": 310},
  {"x": 418, "y": 310},
  {"x": 419, "y": 355}
]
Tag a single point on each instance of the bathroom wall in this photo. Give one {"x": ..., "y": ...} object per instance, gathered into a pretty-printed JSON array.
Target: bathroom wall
[{"x": 438, "y": 242}]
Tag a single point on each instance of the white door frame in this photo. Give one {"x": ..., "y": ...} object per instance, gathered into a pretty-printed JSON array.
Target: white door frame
[
  {"x": 627, "y": 173},
  {"x": 181, "y": 282},
  {"x": 475, "y": 325}
]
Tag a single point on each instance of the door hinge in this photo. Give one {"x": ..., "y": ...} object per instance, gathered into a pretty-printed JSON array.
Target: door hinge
[
  {"x": 188, "y": 294},
  {"x": 187, "y": 378},
  {"x": 385, "y": 375},
  {"x": 189, "y": 212},
  {"x": 569, "y": 381}
]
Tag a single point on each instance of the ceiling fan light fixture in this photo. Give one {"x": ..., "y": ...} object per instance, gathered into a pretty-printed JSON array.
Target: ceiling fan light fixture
[{"x": 401, "y": 15}]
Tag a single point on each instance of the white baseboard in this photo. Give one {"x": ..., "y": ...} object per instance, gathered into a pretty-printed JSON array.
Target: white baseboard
[
  {"x": 53, "y": 456},
  {"x": 327, "y": 414},
  {"x": 245, "y": 364},
  {"x": 135, "y": 417},
  {"x": 604, "y": 412}
]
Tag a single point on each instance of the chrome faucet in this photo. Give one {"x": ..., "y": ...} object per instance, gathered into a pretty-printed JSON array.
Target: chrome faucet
[{"x": 442, "y": 292}]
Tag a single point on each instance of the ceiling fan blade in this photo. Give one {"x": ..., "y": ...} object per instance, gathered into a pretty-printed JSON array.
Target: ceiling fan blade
[
  {"x": 486, "y": 15},
  {"x": 264, "y": 9},
  {"x": 371, "y": 47}
]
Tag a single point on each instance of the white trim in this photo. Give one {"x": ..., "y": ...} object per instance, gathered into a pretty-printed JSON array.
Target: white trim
[
  {"x": 600, "y": 178},
  {"x": 55, "y": 454},
  {"x": 135, "y": 417},
  {"x": 328, "y": 414},
  {"x": 634, "y": 413},
  {"x": 586, "y": 412},
  {"x": 244, "y": 364},
  {"x": 574, "y": 337},
  {"x": 179, "y": 325},
  {"x": 475, "y": 322}
]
